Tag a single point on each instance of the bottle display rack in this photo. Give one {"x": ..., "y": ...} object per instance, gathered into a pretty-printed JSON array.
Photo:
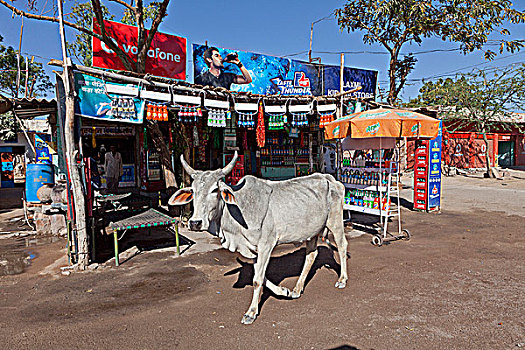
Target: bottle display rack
[{"x": 371, "y": 180}]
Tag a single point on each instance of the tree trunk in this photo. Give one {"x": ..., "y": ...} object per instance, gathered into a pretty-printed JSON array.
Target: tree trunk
[
  {"x": 76, "y": 185},
  {"x": 487, "y": 155},
  {"x": 158, "y": 141},
  {"x": 69, "y": 139},
  {"x": 392, "y": 82}
]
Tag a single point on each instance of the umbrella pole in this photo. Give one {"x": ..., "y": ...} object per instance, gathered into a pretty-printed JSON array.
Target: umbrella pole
[{"x": 380, "y": 180}]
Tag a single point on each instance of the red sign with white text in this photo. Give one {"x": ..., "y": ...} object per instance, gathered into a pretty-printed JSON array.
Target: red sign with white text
[{"x": 165, "y": 58}]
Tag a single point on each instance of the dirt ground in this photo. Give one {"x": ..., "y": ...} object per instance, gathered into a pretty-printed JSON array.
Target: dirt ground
[{"x": 459, "y": 283}]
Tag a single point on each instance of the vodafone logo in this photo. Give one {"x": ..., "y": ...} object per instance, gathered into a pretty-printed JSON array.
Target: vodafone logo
[{"x": 153, "y": 53}]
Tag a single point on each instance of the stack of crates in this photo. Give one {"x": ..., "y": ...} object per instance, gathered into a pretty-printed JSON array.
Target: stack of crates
[
  {"x": 421, "y": 175},
  {"x": 238, "y": 170}
]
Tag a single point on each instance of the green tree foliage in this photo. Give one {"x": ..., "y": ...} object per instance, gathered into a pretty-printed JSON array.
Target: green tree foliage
[
  {"x": 82, "y": 14},
  {"x": 8, "y": 127},
  {"x": 395, "y": 23},
  {"x": 38, "y": 83},
  {"x": 135, "y": 12},
  {"x": 482, "y": 101},
  {"x": 150, "y": 12}
]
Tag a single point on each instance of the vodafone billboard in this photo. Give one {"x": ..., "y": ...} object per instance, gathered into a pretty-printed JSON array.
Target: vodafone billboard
[{"x": 166, "y": 56}]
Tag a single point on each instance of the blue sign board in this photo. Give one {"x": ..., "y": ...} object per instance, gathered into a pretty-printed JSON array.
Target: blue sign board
[
  {"x": 434, "y": 171},
  {"x": 276, "y": 75},
  {"x": 352, "y": 78},
  {"x": 93, "y": 101},
  {"x": 128, "y": 173},
  {"x": 42, "y": 149}
]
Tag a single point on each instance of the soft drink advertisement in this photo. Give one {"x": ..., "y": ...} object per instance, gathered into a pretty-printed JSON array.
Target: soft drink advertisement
[
  {"x": 261, "y": 74},
  {"x": 42, "y": 149},
  {"x": 352, "y": 78},
  {"x": 165, "y": 58},
  {"x": 94, "y": 102},
  {"x": 434, "y": 174}
]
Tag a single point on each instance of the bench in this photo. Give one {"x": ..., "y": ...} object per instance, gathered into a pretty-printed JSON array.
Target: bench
[{"x": 145, "y": 220}]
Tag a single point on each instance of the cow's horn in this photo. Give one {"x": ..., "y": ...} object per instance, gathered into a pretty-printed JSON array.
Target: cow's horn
[
  {"x": 228, "y": 168},
  {"x": 186, "y": 167}
]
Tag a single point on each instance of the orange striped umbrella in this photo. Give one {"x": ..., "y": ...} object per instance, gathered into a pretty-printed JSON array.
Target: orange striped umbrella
[{"x": 383, "y": 122}]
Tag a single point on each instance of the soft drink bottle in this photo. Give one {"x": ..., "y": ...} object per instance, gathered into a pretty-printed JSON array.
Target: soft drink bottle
[{"x": 376, "y": 201}]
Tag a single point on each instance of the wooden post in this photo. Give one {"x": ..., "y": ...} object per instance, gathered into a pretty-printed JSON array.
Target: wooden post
[
  {"x": 342, "y": 83},
  {"x": 115, "y": 246},
  {"x": 18, "y": 56},
  {"x": 311, "y": 37},
  {"x": 76, "y": 187},
  {"x": 27, "y": 75}
]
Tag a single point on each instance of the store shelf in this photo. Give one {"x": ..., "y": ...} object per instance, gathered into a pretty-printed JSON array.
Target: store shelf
[
  {"x": 365, "y": 210},
  {"x": 365, "y": 169},
  {"x": 366, "y": 187}
]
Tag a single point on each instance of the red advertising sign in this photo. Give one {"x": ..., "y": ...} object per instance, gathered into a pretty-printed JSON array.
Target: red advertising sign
[{"x": 166, "y": 56}]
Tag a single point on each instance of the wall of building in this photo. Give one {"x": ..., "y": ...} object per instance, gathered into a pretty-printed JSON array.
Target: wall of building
[{"x": 520, "y": 150}]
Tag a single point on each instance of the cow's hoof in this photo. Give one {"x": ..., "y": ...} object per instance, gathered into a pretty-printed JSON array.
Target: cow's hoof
[
  {"x": 340, "y": 285},
  {"x": 295, "y": 295},
  {"x": 247, "y": 319}
]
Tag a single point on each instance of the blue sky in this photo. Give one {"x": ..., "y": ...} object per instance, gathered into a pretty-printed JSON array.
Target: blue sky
[{"x": 278, "y": 28}]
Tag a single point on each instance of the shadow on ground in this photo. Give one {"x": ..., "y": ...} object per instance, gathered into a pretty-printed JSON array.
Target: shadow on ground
[
  {"x": 144, "y": 240},
  {"x": 282, "y": 267}
]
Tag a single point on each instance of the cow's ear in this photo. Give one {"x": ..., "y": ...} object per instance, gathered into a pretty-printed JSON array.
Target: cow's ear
[
  {"x": 181, "y": 197},
  {"x": 228, "y": 196}
]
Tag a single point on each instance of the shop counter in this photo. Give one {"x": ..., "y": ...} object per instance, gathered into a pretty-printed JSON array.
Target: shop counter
[{"x": 278, "y": 173}]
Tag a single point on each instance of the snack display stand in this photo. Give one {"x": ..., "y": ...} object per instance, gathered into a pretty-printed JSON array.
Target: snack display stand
[
  {"x": 375, "y": 172},
  {"x": 369, "y": 171}
]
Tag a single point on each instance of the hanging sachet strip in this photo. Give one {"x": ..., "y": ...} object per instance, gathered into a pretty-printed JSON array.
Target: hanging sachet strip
[
  {"x": 325, "y": 119},
  {"x": 276, "y": 122},
  {"x": 260, "y": 132},
  {"x": 246, "y": 113},
  {"x": 217, "y": 117},
  {"x": 157, "y": 112},
  {"x": 326, "y": 114},
  {"x": 218, "y": 112},
  {"x": 189, "y": 114},
  {"x": 299, "y": 119}
]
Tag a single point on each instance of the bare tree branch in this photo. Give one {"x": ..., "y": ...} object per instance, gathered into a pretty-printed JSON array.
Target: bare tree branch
[
  {"x": 97, "y": 9},
  {"x": 120, "y": 53},
  {"x": 48, "y": 18},
  {"x": 131, "y": 8}
]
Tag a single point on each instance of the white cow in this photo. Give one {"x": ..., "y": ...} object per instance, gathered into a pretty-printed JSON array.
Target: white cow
[{"x": 255, "y": 215}]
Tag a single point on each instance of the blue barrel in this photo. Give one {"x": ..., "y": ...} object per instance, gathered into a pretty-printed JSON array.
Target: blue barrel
[{"x": 36, "y": 176}]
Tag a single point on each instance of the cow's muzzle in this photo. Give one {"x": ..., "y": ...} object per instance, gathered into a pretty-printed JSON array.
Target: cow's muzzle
[{"x": 195, "y": 225}]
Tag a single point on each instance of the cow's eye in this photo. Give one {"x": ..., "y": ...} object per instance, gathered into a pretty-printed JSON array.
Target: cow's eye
[{"x": 215, "y": 190}]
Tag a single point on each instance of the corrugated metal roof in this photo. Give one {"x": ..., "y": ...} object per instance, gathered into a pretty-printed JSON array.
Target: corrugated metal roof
[
  {"x": 34, "y": 107},
  {"x": 28, "y": 107}
]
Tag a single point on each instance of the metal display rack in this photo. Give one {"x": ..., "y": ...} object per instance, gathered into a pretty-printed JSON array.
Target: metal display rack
[{"x": 374, "y": 190}]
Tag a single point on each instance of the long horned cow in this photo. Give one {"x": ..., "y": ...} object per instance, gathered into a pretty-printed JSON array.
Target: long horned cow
[{"x": 255, "y": 215}]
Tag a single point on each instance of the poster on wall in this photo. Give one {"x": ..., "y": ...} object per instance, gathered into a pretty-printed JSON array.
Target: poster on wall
[
  {"x": 165, "y": 58},
  {"x": 93, "y": 101}
]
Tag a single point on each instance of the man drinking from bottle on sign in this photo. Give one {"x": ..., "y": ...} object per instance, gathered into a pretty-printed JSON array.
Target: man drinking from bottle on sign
[{"x": 215, "y": 77}]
